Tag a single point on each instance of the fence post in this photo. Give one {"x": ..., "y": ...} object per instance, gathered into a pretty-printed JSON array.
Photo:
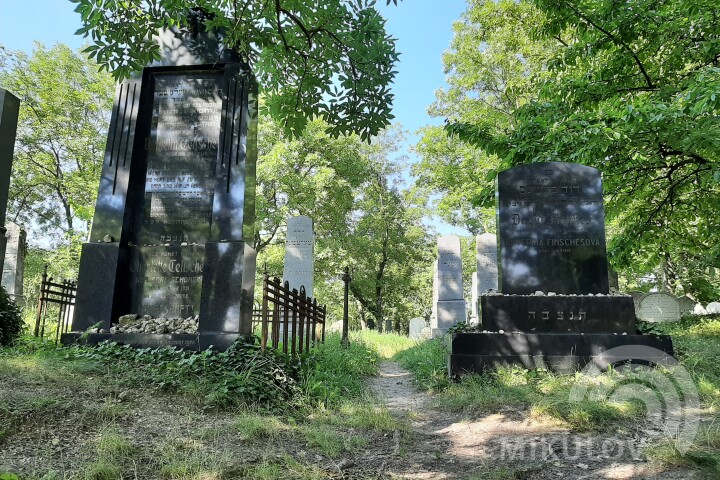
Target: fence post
[
  {"x": 264, "y": 320},
  {"x": 345, "y": 342},
  {"x": 40, "y": 302}
]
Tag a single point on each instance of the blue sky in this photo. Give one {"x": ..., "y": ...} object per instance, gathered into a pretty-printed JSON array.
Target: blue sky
[{"x": 423, "y": 29}]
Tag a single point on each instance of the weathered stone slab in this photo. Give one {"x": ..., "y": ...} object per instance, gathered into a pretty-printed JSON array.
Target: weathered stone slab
[
  {"x": 487, "y": 263},
  {"x": 416, "y": 327},
  {"x": 474, "y": 297},
  {"x": 14, "y": 266},
  {"x": 713, "y": 308},
  {"x": 686, "y": 304},
  {"x": 551, "y": 223},
  {"x": 659, "y": 307},
  {"x": 299, "y": 263},
  {"x": 450, "y": 282},
  {"x": 450, "y": 312}
]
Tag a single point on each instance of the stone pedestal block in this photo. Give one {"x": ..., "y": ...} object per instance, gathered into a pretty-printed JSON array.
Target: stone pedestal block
[{"x": 561, "y": 314}]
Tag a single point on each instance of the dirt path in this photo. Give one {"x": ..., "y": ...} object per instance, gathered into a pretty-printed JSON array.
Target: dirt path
[{"x": 499, "y": 446}]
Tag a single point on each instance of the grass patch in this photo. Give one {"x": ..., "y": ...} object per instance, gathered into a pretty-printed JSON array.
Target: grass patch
[
  {"x": 336, "y": 373},
  {"x": 360, "y": 414},
  {"x": 697, "y": 345},
  {"x": 426, "y": 360},
  {"x": 387, "y": 345},
  {"x": 704, "y": 454},
  {"x": 286, "y": 468},
  {"x": 251, "y": 426},
  {"x": 331, "y": 442}
]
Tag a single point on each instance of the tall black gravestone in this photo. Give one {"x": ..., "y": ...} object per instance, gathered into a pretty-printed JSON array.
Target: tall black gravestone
[
  {"x": 551, "y": 229},
  {"x": 9, "y": 110},
  {"x": 554, "y": 309},
  {"x": 173, "y": 227}
]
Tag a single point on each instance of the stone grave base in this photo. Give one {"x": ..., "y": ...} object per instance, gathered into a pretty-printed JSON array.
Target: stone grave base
[
  {"x": 558, "y": 313},
  {"x": 558, "y": 352},
  {"x": 197, "y": 342}
]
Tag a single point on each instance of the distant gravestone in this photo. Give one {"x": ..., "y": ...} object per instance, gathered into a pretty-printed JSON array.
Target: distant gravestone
[
  {"x": 637, "y": 296},
  {"x": 14, "y": 266},
  {"x": 9, "y": 109},
  {"x": 299, "y": 250},
  {"x": 450, "y": 305},
  {"x": 613, "y": 279},
  {"x": 486, "y": 259},
  {"x": 713, "y": 308},
  {"x": 551, "y": 222},
  {"x": 433, "y": 313},
  {"x": 416, "y": 327},
  {"x": 450, "y": 283},
  {"x": 659, "y": 308},
  {"x": 687, "y": 305},
  {"x": 474, "y": 296}
]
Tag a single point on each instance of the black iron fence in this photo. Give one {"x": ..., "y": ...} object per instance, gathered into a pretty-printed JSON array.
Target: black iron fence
[
  {"x": 290, "y": 320},
  {"x": 56, "y": 300}
]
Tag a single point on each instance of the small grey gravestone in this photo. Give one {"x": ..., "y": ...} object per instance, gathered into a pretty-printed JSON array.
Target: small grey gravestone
[
  {"x": 687, "y": 305},
  {"x": 416, "y": 328},
  {"x": 637, "y": 296},
  {"x": 659, "y": 307},
  {"x": 450, "y": 307},
  {"x": 433, "y": 314},
  {"x": 299, "y": 248},
  {"x": 713, "y": 308},
  {"x": 487, "y": 263},
  {"x": 14, "y": 267},
  {"x": 474, "y": 295}
]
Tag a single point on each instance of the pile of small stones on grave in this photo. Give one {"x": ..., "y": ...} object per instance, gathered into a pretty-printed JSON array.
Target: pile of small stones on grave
[
  {"x": 147, "y": 324},
  {"x": 539, "y": 293}
]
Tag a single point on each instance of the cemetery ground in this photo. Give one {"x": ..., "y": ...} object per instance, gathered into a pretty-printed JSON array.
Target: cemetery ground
[{"x": 382, "y": 409}]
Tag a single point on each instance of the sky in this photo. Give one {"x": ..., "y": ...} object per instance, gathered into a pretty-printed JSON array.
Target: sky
[{"x": 423, "y": 29}]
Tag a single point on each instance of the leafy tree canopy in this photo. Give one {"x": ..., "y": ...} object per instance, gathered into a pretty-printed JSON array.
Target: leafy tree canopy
[
  {"x": 491, "y": 65},
  {"x": 64, "y": 111},
  {"x": 329, "y": 59},
  {"x": 628, "y": 87}
]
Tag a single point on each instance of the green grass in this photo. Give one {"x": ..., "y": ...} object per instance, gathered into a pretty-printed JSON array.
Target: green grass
[
  {"x": 331, "y": 442},
  {"x": 338, "y": 373},
  {"x": 426, "y": 360},
  {"x": 253, "y": 426},
  {"x": 387, "y": 345}
]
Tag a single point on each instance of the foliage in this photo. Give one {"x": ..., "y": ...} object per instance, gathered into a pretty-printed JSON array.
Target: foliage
[
  {"x": 11, "y": 324},
  {"x": 361, "y": 219},
  {"x": 242, "y": 375},
  {"x": 696, "y": 341},
  {"x": 321, "y": 59},
  {"x": 491, "y": 66},
  {"x": 64, "y": 112},
  {"x": 627, "y": 88},
  {"x": 427, "y": 361},
  {"x": 336, "y": 373}
]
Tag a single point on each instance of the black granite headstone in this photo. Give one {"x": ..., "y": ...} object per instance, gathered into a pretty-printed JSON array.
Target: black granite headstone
[
  {"x": 551, "y": 229},
  {"x": 173, "y": 228},
  {"x": 9, "y": 110},
  {"x": 551, "y": 238}
]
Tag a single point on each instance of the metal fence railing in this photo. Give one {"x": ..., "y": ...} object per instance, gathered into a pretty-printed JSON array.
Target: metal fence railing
[
  {"x": 290, "y": 320},
  {"x": 58, "y": 300}
]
